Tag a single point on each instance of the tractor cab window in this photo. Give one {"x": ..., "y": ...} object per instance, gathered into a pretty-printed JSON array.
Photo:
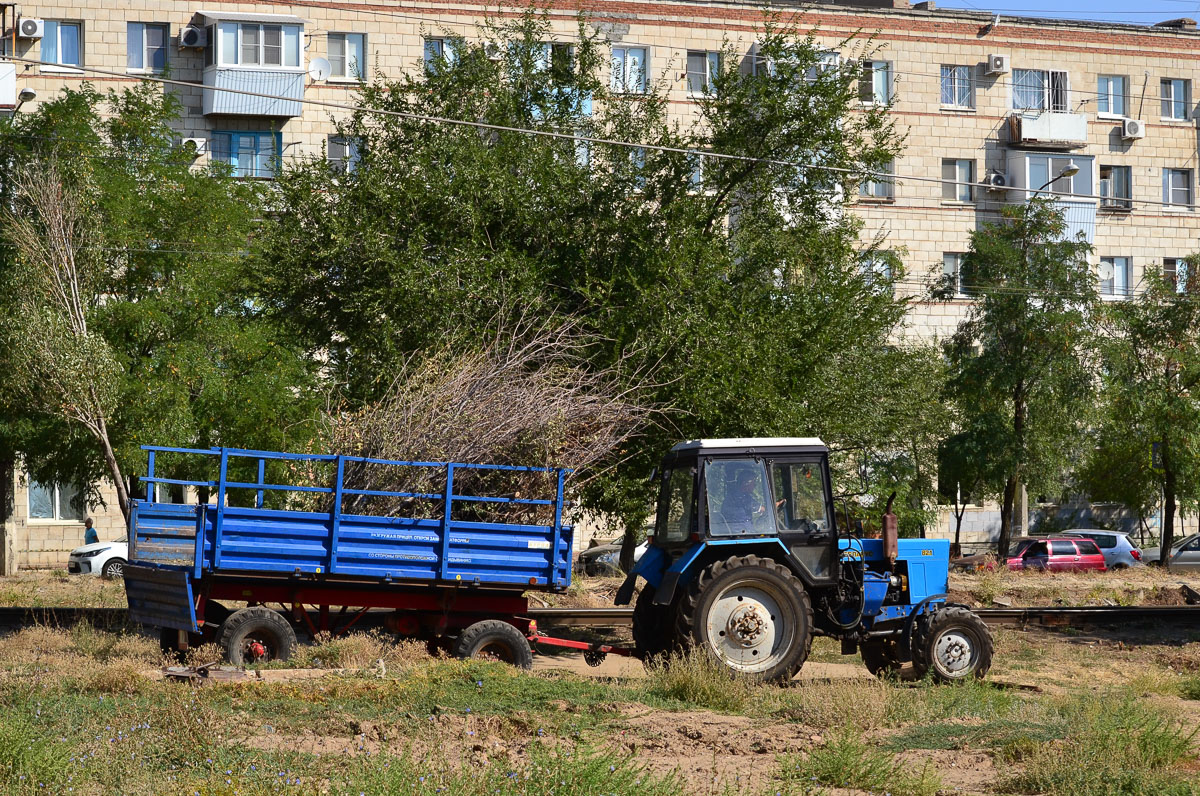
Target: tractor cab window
[
  {"x": 676, "y": 504},
  {"x": 799, "y": 497},
  {"x": 739, "y": 502}
]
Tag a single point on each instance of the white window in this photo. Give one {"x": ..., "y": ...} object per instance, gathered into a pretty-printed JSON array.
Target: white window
[
  {"x": 1115, "y": 188},
  {"x": 252, "y": 44},
  {"x": 346, "y": 52},
  {"x": 146, "y": 47},
  {"x": 876, "y": 268},
  {"x": 439, "y": 51},
  {"x": 62, "y": 43},
  {"x": 1177, "y": 188},
  {"x": 558, "y": 58},
  {"x": 250, "y": 154},
  {"x": 952, "y": 273},
  {"x": 1111, "y": 95},
  {"x": 1043, "y": 167},
  {"x": 342, "y": 153},
  {"x": 61, "y": 502},
  {"x": 826, "y": 60},
  {"x": 702, "y": 67},
  {"x": 1039, "y": 90},
  {"x": 1175, "y": 95},
  {"x": 878, "y": 186},
  {"x": 957, "y": 179},
  {"x": 1175, "y": 269},
  {"x": 958, "y": 89},
  {"x": 1114, "y": 276},
  {"x": 875, "y": 85},
  {"x": 629, "y": 70}
]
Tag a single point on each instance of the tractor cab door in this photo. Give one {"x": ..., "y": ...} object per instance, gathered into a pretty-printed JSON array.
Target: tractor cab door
[{"x": 804, "y": 513}]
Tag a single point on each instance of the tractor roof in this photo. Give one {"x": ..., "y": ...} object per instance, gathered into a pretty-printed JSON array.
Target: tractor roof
[{"x": 753, "y": 445}]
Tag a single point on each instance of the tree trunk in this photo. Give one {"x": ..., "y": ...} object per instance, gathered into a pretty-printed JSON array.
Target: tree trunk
[
  {"x": 114, "y": 470},
  {"x": 1006, "y": 513},
  {"x": 958, "y": 518},
  {"x": 629, "y": 542},
  {"x": 1168, "y": 529},
  {"x": 1014, "y": 479}
]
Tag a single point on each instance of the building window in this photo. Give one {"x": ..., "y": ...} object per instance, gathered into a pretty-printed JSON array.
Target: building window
[
  {"x": 702, "y": 68},
  {"x": 342, "y": 153},
  {"x": 1177, "y": 188},
  {"x": 1039, "y": 90},
  {"x": 952, "y": 272},
  {"x": 1114, "y": 276},
  {"x": 146, "y": 47},
  {"x": 249, "y": 154},
  {"x": 346, "y": 55},
  {"x": 62, "y": 43},
  {"x": 629, "y": 69},
  {"x": 559, "y": 59},
  {"x": 1175, "y": 270},
  {"x": 878, "y": 186},
  {"x": 61, "y": 502},
  {"x": 957, "y": 179},
  {"x": 259, "y": 45},
  {"x": 1111, "y": 93},
  {"x": 1174, "y": 93},
  {"x": 438, "y": 51},
  {"x": 1043, "y": 167},
  {"x": 958, "y": 90},
  {"x": 876, "y": 269},
  {"x": 875, "y": 85},
  {"x": 1116, "y": 188}
]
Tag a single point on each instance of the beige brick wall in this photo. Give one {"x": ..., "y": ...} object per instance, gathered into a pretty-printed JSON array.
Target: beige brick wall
[{"x": 39, "y": 544}]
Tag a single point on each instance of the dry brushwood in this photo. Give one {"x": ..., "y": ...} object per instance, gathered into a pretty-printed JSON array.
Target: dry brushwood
[{"x": 527, "y": 398}]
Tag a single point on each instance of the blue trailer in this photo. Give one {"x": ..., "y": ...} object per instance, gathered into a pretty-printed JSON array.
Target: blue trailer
[{"x": 451, "y": 561}]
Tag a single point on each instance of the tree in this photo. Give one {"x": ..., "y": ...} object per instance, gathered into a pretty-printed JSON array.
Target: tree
[
  {"x": 963, "y": 459},
  {"x": 1019, "y": 367},
  {"x": 129, "y": 311},
  {"x": 1151, "y": 367},
  {"x": 733, "y": 288}
]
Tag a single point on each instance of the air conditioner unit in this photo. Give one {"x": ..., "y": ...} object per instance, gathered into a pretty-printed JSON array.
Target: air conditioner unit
[
  {"x": 996, "y": 181},
  {"x": 1133, "y": 128},
  {"x": 30, "y": 28},
  {"x": 200, "y": 145},
  {"x": 996, "y": 65},
  {"x": 193, "y": 36}
]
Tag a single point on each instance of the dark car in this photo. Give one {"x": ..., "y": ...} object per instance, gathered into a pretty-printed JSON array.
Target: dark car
[
  {"x": 605, "y": 559},
  {"x": 1060, "y": 554},
  {"x": 987, "y": 561}
]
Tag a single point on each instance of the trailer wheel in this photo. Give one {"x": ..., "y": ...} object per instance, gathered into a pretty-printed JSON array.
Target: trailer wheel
[
  {"x": 751, "y": 615},
  {"x": 953, "y": 644},
  {"x": 494, "y": 639},
  {"x": 256, "y": 635},
  {"x": 653, "y": 627},
  {"x": 880, "y": 657}
]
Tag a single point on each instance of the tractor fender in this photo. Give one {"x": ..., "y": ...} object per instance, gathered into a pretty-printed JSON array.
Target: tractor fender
[
  {"x": 683, "y": 569},
  {"x": 911, "y": 621},
  {"x": 649, "y": 566}
]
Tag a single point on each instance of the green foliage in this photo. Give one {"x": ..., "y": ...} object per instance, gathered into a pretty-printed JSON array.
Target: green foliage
[
  {"x": 740, "y": 308},
  {"x": 695, "y": 679},
  {"x": 847, "y": 761},
  {"x": 29, "y": 761},
  {"x": 178, "y": 343},
  {"x": 1019, "y": 370}
]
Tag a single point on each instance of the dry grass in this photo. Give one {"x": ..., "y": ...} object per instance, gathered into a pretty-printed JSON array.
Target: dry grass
[
  {"x": 1136, "y": 586},
  {"x": 55, "y": 588}
]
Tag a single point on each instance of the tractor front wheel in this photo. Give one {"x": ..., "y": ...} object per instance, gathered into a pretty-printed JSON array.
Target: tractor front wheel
[
  {"x": 953, "y": 644},
  {"x": 751, "y": 615}
]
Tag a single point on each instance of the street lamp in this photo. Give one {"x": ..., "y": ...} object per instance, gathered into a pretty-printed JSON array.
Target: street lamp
[{"x": 26, "y": 95}]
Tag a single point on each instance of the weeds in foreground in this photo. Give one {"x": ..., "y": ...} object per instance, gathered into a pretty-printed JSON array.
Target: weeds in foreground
[
  {"x": 847, "y": 762},
  {"x": 696, "y": 679}
]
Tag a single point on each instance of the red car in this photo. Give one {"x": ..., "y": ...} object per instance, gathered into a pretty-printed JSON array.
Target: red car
[{"x": 1060, "y": 555}]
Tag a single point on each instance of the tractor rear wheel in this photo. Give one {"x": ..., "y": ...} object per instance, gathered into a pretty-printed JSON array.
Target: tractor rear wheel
[
  {"x": 751, "y": 615},
  {"x": 653, "y": 627},
  {"x": 953, "y": 644}
]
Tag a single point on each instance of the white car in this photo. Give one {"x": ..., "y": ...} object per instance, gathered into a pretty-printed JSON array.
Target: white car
[{"x": 106, "y": 559}]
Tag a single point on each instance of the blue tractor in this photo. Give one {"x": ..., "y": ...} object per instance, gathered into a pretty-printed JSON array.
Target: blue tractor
[{"x": 747, "y": 564}]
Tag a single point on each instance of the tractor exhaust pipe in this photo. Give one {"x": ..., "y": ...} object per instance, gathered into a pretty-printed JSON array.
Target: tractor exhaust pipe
[{"x": 891, "y": 534}]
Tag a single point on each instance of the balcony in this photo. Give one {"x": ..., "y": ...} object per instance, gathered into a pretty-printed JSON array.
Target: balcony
[
  {"x": 1048, "y": 130},
  {"x": 283, "y": 83}
]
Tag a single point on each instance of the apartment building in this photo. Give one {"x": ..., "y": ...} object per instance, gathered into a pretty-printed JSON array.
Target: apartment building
[{"x": 995, "y": 108}]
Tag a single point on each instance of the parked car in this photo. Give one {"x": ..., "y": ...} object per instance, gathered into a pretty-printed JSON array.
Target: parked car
[
  {"x": 605, "y": 559},
  {"x": 987, "y": 561},
  {"x": 106, "y": 559},
  {"x": 1060, "y": 554},
  {"x": 1119, "y": 552},
  {"x": 1185, "y": 553}
]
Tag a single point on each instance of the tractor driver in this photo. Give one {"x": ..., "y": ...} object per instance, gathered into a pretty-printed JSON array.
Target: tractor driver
[{"x": 744, "y": 508}]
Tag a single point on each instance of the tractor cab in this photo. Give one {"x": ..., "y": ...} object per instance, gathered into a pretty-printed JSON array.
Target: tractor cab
[{"x": 775, "y": 490}]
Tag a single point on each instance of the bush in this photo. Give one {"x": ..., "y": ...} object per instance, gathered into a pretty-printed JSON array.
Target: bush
[
  {"x": 696, "y": 679},
  {"x": 847, "y": 762}
]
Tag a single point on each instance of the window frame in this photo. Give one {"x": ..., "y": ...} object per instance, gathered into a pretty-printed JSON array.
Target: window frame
[
  {"x": 1168, "y": 190},
  {"x": 1116, "y": 291},
  {"x": 346, "y": 76},
  {"x": 145, "y": 51},
  {"x": 889, "y": 186},
  {"x": 446, "y": 51},
  {"x": 234, "y": 149},
  {"x": 1172, "y": 268},
  {"x": 712, "y": 66},
  {"x": 956, "y": 86},
  {"x": 1186, "y": 86},
  {"x": 624, "y": 88},
  {"x": 56, "y": 499},
  {"x": 347, "y": 163},
  {"x": 1107, "y": 96},
  {"x": 220, "y": 57},
  {"x": 1047, "y": 90},
  {"x": 57, "y": 65},
  {"x": 875, "y": 68},
  {"x": 961, "y": 185},
  {"x": 1114, "y": 202},
  {"x": 954, "y": 273}
]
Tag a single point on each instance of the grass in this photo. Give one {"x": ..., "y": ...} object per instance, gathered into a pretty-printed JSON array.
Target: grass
[{"x": 846, "y": 761}]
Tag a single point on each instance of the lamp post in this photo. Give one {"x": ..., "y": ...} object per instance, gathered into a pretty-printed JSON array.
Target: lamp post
[{"x": 26, "y": 95}]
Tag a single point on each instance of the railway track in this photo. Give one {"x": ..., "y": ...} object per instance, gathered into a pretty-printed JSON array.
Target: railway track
[{"x": 1050, "y": 616}]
